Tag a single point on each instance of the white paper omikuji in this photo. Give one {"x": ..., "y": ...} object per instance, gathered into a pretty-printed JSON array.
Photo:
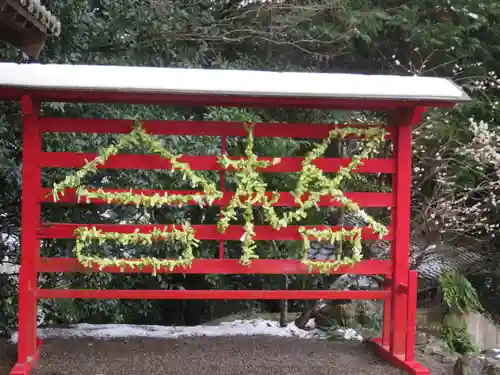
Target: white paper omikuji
[{"x": 244, "y": 237}]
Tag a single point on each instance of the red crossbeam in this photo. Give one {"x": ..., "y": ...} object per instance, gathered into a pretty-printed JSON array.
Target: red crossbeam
[
  {"x": 212, "y": 294},
  {"x": 363, "y": 199},
  {"x": 203, "y": 232},
  {"x": 195, "y": 128},
  {"x": 225, "y": 267},
  {"x": 204, "y": 163},
  {"x": 203, "y": 100}
]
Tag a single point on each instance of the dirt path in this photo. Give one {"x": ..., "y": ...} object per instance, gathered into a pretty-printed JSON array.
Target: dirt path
[{"x": 257, "y": 355}]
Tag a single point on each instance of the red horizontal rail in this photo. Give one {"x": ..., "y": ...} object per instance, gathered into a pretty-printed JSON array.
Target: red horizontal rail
[
  {"x": 204, "y": 163},
  {"x": 225, "y": 267},
  {"x": 197, "y": 128},
  {"x": 212, "y": 294},
  {"x": 363, "y": 199},
  {"x": 203, "y": 232},
  {"x": 127, "y": 97}
]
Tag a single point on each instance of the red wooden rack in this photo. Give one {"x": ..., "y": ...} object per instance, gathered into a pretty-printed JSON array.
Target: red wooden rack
[{"x": 396, "y": 344}]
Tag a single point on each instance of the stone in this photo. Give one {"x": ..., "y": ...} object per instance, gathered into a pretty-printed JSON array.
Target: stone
[
  {"x": 344, "y": 315},
  {"x": 315, "y": 245},
  {"x": 493, "y": 368},
  {"x": 448, "y": 359},
  {"x": 490, "y": 353},
  {"x": 469, "y": 365},
  {"x": 325, "y": 251},
  {"x": 347, "y": 314},
  {"x": 311, "y": 253},
  {"x": 368, "y": 333},
  {"x": 485, "y": 363},
  {"x": 320, "y": 257},
  {"x": 345, "y": 334},
  {"x": 421, "y": 339},
  {"x": 435, "y": 346}
]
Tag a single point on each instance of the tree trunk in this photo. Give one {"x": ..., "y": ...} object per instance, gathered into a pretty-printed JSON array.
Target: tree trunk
[{"x": 284, "y": 307}]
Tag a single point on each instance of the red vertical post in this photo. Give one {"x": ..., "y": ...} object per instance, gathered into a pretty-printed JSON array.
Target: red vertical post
[
  {"x": 223, "y": 150},
  {"x": 403, "y": 120},
  {"x": 30, "y": 246},
  {"x": 412, "y": 315},
  {"x": 387, "y": 322},
  {"x": 388, "y": 316}
]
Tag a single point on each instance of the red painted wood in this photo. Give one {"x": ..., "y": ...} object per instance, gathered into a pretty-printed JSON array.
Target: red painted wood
[
  {"x": 211, "y": 294},
  {"x": 222, "y": 188},
  {"x": 203, "y": 232},
  {"x": 128, "y": 97},
  {"x": 388, "y": 311},
  {"x": 398, "y": 314},
  {"x": 411, "y": 315},
  {"x": 30, "y": 246},
  {"x": 227, "y": 267},
  {"x": 400, "y": 250},
  {"x": 26, "y": 368},
  {"x": 21, "y": 369},
  {"x": 398, "y": 361},
  {"x": 363, "y": 199},
  {"x": 197, "y": 128},
  {"x": 387, "y": 318},
  {"x": 205, "y": 163}
]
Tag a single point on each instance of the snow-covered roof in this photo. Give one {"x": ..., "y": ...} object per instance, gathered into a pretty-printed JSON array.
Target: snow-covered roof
[
  {"x": 243, "y": 83},
  {"x": 41, "y": 13},
  {"x": 431, "y": 262}
]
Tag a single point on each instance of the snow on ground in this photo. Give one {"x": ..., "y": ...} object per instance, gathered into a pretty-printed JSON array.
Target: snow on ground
[{"x": 250, "y": 327}]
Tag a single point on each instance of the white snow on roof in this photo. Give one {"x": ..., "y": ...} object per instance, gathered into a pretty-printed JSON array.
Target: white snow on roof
[{"x": 226, "y": 82}]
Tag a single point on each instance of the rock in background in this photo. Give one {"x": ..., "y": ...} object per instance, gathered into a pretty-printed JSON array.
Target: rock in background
[{"x": 486, "y": 362}]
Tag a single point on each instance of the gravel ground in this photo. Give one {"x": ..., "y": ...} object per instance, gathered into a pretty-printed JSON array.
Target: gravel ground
[
  {"x": 257, "y": 355},
  {"x": 7, "y": 356}
]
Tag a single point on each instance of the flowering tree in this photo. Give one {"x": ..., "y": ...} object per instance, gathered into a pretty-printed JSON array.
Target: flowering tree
[{"x": 457, "y": 168}]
